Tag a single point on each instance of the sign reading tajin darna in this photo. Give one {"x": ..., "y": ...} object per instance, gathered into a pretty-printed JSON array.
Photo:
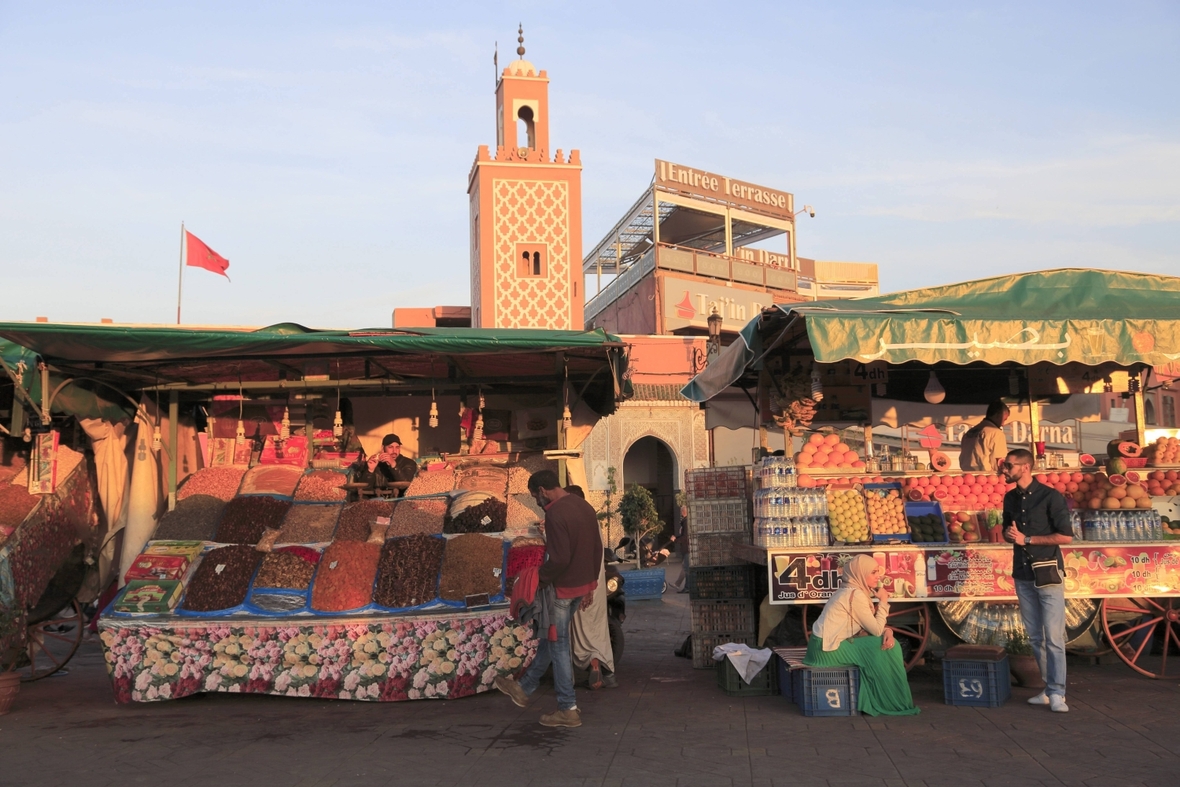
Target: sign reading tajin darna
[{"x": 719, "y": 187}]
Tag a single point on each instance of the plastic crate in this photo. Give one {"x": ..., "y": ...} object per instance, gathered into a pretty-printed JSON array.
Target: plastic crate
[
  {"x": 883, "y": 490},
  {"x": 786, "y": 660},
  {"x": 827, "y": 691},
  {"x": 643, "y": 583},
  {"x": 714, "y": 549},
  {"x": 721, "y": 582},
  {"x": 729, "y": 681},
  {"x": 732, "y": 615},
  {"x": 712, "y": 483},
  {"x": 923, "y": 508},
  {"x": 976, "y": 683},
  {"x": 703, "y": 643},
  {"x": 719, "y": 516}
]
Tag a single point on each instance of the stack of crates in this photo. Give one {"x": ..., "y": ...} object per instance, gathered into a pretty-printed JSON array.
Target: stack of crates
[{"x": 721, "y": 587}]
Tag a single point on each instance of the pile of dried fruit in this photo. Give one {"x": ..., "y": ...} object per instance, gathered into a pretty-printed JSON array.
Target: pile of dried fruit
[
  {"x": 15, "y": 504},
  {"x": 472, "y": 564},
  {"x": 493, "y": 480},
  {"x": 412, "y": 517},
  {"x": 285, "y": 568},
  {"x": 219, "y": 482},
  {"x": 321, "y": 486},
  {"x": 518, "y": 480},
  {"x": 309, "y": 523},
  {"x": 194, "y": 519},
  {"x": 271, "y": 480},
  {"x": 356, "y": 521},
  {"x": 432, "y": 482},
  {"x": 222, "y": 579},
  {"x": 520, "y": 515},
  {"x": 244, "y": 519},
  {"x": 489, "y": 516},
  {"x": 345, "y": 578},
  {"x": 407, "y": 575}
]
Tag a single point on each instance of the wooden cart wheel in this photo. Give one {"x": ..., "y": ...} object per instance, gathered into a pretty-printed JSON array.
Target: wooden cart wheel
[
  {"x": 52, "y": 643},
  {"x": 1139, "y": 626},
  {"x": 910, "y": 624}
]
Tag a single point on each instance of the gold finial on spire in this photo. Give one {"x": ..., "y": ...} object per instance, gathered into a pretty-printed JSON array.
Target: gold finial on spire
[{"x": 520, "y": 40}]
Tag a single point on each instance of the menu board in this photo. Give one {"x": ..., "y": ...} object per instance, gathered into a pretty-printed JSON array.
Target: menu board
[{"x": 980, "y": 572}]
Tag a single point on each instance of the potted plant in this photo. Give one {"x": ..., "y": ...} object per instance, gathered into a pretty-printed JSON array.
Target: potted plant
[
  {"x": 1021, "y": 662},
  {"x": 639, "y": 516}
]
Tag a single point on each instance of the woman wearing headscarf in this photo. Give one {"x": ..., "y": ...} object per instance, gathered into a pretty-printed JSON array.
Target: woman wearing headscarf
[{"x": 850, "y": 634}]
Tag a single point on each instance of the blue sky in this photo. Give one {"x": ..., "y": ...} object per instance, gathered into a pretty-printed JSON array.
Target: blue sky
[{"x": 324, "y": 149}]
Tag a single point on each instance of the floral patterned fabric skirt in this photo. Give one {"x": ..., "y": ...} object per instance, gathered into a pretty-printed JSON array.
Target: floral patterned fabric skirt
[{"x": 383, "y": 659}]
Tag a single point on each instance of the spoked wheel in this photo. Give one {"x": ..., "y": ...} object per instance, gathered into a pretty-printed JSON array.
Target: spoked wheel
[
  {"x": 1136, "y": 627},
  {"x": 52, "y": 643},
  {"x": 910, "y": 624}
]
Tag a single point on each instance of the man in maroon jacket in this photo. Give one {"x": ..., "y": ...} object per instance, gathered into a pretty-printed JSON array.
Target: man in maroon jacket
[{"x": 573, "y": 558}]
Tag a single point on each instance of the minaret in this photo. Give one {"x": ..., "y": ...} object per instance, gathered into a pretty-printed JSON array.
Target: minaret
[{"x": 526, "y": 214}]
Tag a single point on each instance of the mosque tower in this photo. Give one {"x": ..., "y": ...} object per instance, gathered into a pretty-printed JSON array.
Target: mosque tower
[{"x": 526, "y": 214}]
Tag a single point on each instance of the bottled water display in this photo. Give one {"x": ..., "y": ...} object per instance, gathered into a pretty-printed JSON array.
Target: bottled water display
[
  {"x": 1131, "y": 525},
  {"x": 786, "y": 514}
]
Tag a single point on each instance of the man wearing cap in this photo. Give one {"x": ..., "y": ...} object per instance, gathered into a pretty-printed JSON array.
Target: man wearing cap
[{"x": 389, "y": 466}]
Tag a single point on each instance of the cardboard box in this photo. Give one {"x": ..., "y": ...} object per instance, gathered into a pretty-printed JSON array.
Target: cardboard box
[
  {"x": 158, "y": 567},
  {"x": 149, "y": 595},
  {"x": 189, "y": 549}
]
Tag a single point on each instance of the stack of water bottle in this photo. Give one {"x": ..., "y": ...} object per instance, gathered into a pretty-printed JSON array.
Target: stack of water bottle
[
  {"x": 785, "y": 514},
  {"x": 1132, "y": 525}
]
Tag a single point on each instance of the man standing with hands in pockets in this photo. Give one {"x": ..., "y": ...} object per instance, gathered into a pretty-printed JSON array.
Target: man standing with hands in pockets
[{"x": 1036, "y": 522}]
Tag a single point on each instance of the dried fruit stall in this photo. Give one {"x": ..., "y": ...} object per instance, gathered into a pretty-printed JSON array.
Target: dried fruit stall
[
  {"x": 264, "y": 576},
  {"x": 823, "y": 370}
]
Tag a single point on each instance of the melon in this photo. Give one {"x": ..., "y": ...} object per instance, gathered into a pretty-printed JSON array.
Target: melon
[
  {"x": 1123, "y": 448},
  {"x": 939, "y": 462},
  {"x": 1116, "y": 466}
]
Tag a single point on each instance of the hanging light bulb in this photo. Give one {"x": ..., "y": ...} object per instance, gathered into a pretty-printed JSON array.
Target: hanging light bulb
[
  {"x": 241, "y": 434},
  {"x": 934, "y": 392},
  {"x": 567, "y": 420},
  {"x": 1107, "y": 385},
  {"x": 157, "y": 440},
  {"x": 338, "y": 425},
  {"x": 478, "y": 428},
  {"x": 817, "y": 386},
  {"x": 433, "y": 414},
  {"x": 285, "y": 425}
]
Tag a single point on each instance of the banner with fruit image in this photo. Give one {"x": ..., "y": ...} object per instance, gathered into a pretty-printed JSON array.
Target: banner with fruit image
[{"x": 980, "y": 572}]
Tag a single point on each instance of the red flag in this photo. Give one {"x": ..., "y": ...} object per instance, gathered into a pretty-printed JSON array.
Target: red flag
[{"x": 201, "y": 256}]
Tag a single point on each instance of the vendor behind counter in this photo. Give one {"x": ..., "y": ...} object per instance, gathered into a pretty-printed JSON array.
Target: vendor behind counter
[{"x": 383, "y": 471}]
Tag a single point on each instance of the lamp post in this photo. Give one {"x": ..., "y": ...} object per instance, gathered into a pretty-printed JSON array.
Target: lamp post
[{"x": 714, "y": 336}]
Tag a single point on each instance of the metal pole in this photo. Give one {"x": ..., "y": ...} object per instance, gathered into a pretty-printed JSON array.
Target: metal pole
[
  {"x": 173, "y": 450},
  {"x": 180, "y": 279}
]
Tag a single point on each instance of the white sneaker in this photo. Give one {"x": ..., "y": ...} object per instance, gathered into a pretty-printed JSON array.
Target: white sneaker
[
  {"x": 1057, "y": 704},
  {"x": 1040, "y": 699}
]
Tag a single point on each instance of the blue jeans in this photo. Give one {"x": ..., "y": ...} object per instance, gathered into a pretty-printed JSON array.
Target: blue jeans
[
  {"x": 1043, "y": 613},
  {"x": 555, "y": 653}
]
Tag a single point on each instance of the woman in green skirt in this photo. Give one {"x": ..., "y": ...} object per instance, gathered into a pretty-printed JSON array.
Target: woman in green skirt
[{"x": 850, "y": 634}]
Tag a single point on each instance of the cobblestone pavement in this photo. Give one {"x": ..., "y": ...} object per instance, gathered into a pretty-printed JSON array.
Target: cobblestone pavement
[{"x": 666, "y": 724}]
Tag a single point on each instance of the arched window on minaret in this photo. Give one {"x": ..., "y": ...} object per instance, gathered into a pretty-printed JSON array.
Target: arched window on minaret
[{"x": 527, "y": 128}]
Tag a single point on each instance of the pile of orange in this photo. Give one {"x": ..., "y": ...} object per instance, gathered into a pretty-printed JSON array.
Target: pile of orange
[
  {"x": 1164, "y": 451},
  {"x": 887, "y": 513},
  {"x": 826, "y": 452}
]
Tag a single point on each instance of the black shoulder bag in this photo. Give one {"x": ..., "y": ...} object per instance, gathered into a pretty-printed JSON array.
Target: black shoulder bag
[{"x": 1045, "y": 572}]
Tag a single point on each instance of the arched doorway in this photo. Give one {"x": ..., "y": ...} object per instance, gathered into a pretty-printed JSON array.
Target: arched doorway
[{"x": 650, "y": 463}]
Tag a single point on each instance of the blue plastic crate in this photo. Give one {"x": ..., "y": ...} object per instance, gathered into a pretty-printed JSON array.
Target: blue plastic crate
[
  {"x": 643, "y": 583},
  {"x": 828, "y": 691},
  {"x": 921, "y": 508},
  {"x": 786, "y": 683},
  {"x": 978, "y": 684}
]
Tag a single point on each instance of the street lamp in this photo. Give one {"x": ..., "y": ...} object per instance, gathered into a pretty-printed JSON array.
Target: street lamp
[{"x": 714, "y": 335}]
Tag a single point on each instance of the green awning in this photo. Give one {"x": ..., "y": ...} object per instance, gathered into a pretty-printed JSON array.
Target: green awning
[{"x": 1058, "y": 316}]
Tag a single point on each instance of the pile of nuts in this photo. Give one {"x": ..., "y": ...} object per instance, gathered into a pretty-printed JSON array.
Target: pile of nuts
[
  {"x": 222, "y": 579},
  {"x": 245, "y": 518},
  {"x": 407, "y": 575},
  {"x": 219, "y": 482},
  {"x": 472, "y": 564}
]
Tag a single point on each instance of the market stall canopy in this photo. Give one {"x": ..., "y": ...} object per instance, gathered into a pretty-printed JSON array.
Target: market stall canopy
[
  {"x": 1088, "y": 317},
  {"x": 289, "y": 355},
  {"x": 83, "y": 399}
]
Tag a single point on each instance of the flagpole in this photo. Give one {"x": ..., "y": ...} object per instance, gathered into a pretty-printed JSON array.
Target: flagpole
[{"x": 180, "y": 278}]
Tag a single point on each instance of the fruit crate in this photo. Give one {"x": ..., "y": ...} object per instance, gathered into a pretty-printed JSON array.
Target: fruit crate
[
  {"x": 712, "y": 483},
  {"x": 875, "y": 492},
  {"x": 714, "y": 549},
  {"x": 785, "y": 661},
  {"x": 721, "y": 582},
  {"x": 977, "y": 683},
  {"x": 830, "y": 691},
  {"x": 644, "y": 583},
  {"x": 719, "y": 516},
  {"x": 734, "y": 615},
  {"x": 703, "y": 643},
  {"x": 729, "y": 681},
  {"x": 913, "y": 509}
]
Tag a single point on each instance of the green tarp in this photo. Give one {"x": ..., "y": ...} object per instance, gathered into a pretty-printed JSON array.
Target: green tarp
[
  {"x": 1058, "y": 316},
  {"x": 84, "y": 399},
  {"x": 115, "y": 344}
]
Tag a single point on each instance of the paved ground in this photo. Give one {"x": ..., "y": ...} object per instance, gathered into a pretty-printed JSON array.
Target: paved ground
[{"x": 667, "y": 724}]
